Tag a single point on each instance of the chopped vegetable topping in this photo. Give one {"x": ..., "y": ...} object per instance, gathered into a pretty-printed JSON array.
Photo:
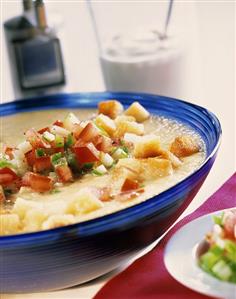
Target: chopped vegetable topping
[
  {"x": 68, "y": 149},
  {"x": 40, "y": 152},
  {"x": 220, "y": 258}
]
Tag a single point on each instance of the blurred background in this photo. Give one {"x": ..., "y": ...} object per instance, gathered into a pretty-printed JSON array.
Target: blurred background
[{"x": 207, "y": 30}]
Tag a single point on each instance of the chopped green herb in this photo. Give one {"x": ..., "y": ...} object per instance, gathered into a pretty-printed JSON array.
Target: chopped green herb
[
  {"x": 119, "y": 154},
  {"x": 125, "y": 149},
  {"x": 40, "y": 152},
  {"x": 96, "y": 172},
  {"x": 56, "y": 158},
  {"x": 6, "y": 163},
  {"x": 114, "y": 149},
  {"x": 59, "y": 141},
  {"x": 87, "y": 166},
  {"x": 8, "y": 192},
  {"x": 69, "y": 140},
  {"x": 53, "y": 191}
]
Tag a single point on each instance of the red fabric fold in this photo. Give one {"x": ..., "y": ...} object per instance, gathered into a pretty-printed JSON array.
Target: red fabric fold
[{"x": 147, "y": 277}]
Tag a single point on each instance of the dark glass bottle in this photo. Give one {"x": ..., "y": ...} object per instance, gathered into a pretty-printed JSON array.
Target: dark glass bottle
[{"x": 34, "y": 51}]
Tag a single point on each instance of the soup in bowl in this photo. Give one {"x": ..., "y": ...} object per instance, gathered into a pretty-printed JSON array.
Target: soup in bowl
[{"x": 88, "y": 187}]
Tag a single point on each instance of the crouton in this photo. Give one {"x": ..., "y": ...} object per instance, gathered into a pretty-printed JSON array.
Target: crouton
[
  {"x": 106, "y": 123},
  {"x": 33, "y": 220},
  {"x": 147, "y": 169},
  {"x": 184, "y": 146},
  {"x": 148, "y": 146},
  {"x": 55, "y": 221},
  {"x": 120, "y": 174},
  {"x": 128, "y": 127},
  {"x": 175, "y": 161},
  {"x": 123, "y": 117},
  {"x": 9, "y": 224},
  {"x": 138, "y": 111},
  {"x": 154, "y": 168},
  {"x": 85, "y": 201},
  {"x": 110, "y": 108}
]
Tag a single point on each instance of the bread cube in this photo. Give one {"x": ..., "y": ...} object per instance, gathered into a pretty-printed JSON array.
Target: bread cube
[
  {"x": 184, "y": 146},
  {"x": 128, "y": 127},
  {"x": 122, "y": 172},
  {"x": 138, "y": 111},
  {"x": 85, "y": 201},
  {"x": 154, "y": 168},
  {"x": 175, "y": 161},
  {"x": 146, "y": 169},
  {"x": 106, "y": 123},
  {"x": 132, "y": 165},
  {"x": 110, "y": 108},
  {"x": 9, "y": 224},
  {"x": 148, "y": 146},
  {"x": 123, "y": 117},
  {"x": 55, "y": 221},
  {"x": 22, "y": 206},
  {"x": 33, "y": 220}
]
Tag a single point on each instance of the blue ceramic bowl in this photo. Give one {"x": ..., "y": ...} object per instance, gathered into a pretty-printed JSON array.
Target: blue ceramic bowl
[{"x": 70, "y": 255}]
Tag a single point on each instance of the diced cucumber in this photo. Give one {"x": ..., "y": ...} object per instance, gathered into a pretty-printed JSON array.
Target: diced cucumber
[
  {"x": 119, "y": 154},
  {"x": 56, "y": 130},
  {"x": 100, "y": 170},
  {"x": 208, "y": 260},
  {"x": 106, "y": 159},
  {"x": 222, "y": 270},
  {"x": 48, "y": 136},
  {"x": 24, "y": 147},
  {"x": 230, "y": 250}
]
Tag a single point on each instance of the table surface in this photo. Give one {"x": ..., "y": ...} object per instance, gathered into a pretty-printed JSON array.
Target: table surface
[{"x": 217, "y": 93}]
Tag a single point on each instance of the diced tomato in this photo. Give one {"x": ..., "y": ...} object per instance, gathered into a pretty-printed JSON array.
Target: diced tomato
[
  {"x": 77, "y": 129},
  {"x": 105, "y": 145},
  {"x": 35, "y": 139},
  {"x": 41, "y": 131},
  {"x": 229, "y": 224},
  {"x": 9, "y": 151},
  {"x": 89, "y": 133},
  {"x": 30, "y": 157},
  {"x": 7, "y": 176},
  {"x": 64, "y": 173},
  {"x": 37, "y": 182},
  {"x": 42, "y": 163},
  {"x": 58, "y": 123},
  {"x": 2, "y": 195},
  {"x": 85, "y": 152},
  {"x": 129, "y": 185}
]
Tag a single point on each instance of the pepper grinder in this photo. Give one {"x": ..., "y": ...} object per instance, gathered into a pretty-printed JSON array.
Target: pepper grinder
[{"x": 35, "y": 52}]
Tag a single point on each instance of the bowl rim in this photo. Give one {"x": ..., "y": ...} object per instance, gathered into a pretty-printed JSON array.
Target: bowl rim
[{"x": 89, "y": 100}]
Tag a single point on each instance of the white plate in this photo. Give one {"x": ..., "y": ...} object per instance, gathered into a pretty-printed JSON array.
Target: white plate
[{"x": 180, "y": 260}]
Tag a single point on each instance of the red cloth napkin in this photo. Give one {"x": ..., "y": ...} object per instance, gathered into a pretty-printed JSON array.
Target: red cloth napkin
[{"x": 147, "y": 277}]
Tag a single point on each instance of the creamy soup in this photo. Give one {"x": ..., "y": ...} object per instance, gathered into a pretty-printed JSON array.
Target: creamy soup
[{"x": 147, "y": 155}]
